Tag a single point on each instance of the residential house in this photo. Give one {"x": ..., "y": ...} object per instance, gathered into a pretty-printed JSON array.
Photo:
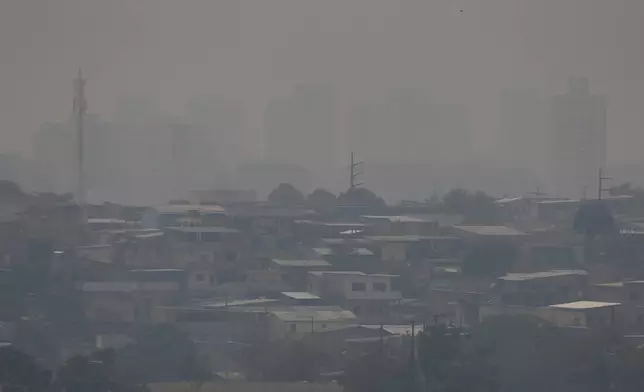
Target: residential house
[
  {"x": 477, "y": 233},
  {"x": 393, "y": 248},
  {"x": 295, "y": 272},
  {"x": 401, "y": 225},
  {"x": 271, "y": 229},
  {"x": 630, "y": 294},
  {"x": 300, "y": 298},
  {"x": 309, "y": 230},
  {"x": 589, "y": 314},
  {"x": 297, "y": 322},
  {"x": 128, "y": 301},
  {"x": 350, "y": 259},
  {"x": 205, "y": 251},
  {"x": 540, "y": 288},
  {"x": 370, "y": 296},
  {"x": 183, "y": 214}
]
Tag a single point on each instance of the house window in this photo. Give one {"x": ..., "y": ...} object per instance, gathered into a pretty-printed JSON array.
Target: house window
[
  {"x": 293, "y": 327},
  {"x": 358, "y": 286},
  {"x": 200, "y": 277},
  {"x": 323, "y": 326},
  {"x": 634, "y": 296},
  {"x": 380, "y": 286}
]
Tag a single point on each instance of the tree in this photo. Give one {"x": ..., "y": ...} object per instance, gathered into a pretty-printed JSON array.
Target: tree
[
  {"x": 360, "y": 197},
  {"x": 594, "y": 218},
  {"x": 286, "y": 195},
  {"x": 286, "y": 361},
  {"x": 162, "y": 353},
  {"x": 626, "y": 189},
  {"x": 371, "y": 373},
  {"x": 477, "y": 207},
  {"x": 19, "y": 372},
  {"x": 96, "y": 372},
  {"x": 321, "y": 200},
  {"x": 10, "y": 192}
]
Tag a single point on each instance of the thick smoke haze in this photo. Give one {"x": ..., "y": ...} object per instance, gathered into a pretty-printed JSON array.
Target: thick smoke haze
[{"x": 163, "y": 54}]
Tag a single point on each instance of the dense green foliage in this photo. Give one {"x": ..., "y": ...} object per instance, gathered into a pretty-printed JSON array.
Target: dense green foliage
[{"x": 506, "y": 354}]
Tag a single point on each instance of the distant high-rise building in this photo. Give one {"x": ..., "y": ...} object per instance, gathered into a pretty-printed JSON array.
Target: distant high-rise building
[
  {"x": 578, "y": 139},
  {"x": 523, "y": 129},
  {"x": 54, "y": 153},
  {"x": 302, "y": 129},
  {"x": 193, "y": 157},
  {"x": 407, "y": 128},
  {"x": 224, "y": 120}
]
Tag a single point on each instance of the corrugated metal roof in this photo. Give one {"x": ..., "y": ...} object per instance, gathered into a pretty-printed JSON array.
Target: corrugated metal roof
[
  {"x": 582, "y": 305},
  {"x": 345, "y": 241},
  {"x": 323, "y": 251},
  {"x": 203, "y": 229},
  {"x": 321, "y": 273},
  {"x": 106, "y": 220},
  {"x": 490, "y": 230},
  {"x": 332, "y": 224},
  {"x": 316, "y": 314},
  {"x": 401, "y": 330},
  {"x": 541, "y": 275},
  {"x": 354, "y": 273},
  {"x": 239, "y": 302},
  {"x": 398, "y": 218},
  {"x": 361, "y": 252},
  {"x": 394, "y": 238},
  {"x": 611, "y": 284},
  {"x": 301, "y": 263},
  {"x": 149, "y": 235},
  {"x": 128, "y": 286},
  {"x": 186, "y": 208},
  {"x": 506, "y": 200},
  {"x": 299, "y": 295}
]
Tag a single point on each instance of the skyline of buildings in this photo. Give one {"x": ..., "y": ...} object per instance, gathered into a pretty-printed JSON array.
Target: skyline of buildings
[
  {"x": 302, "y": 129},
  {"x": 559, "y": 141},
  {"x": 579, "y": 139},
  {"x": 523, "y": 130}
]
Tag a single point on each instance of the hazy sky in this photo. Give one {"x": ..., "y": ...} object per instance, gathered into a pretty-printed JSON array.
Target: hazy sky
[{"x": 173, "y": 50}]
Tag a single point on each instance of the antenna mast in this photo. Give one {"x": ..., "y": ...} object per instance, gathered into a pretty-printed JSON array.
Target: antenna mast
[
  {"x": 600, "y": 188},
  {"x": 354, "y": 174},
  {"x": 80, "y": 108}
]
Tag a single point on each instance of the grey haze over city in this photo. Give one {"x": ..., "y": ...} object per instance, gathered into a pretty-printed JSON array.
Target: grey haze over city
[{"x": 431, "y": 94}]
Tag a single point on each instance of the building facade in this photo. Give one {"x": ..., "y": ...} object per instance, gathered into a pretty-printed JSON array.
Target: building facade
[{"x": 578, "y": 140}]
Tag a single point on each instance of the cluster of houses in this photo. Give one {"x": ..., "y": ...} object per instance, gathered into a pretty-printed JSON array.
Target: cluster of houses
[{"x": 239, "y": 275}]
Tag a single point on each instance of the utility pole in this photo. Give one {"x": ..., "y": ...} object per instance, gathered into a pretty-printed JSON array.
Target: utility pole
[
  {"x": 80, "y": 108},
  {"x": 354, "y": 174},
  {"x": 600, "y": 188}
]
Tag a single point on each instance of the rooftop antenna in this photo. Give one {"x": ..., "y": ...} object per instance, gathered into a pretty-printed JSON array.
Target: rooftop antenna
[
  {"x": 354, "y": 173},
  {"x": 80, "y": 108},
  {"x": 600, "y": 188}
]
